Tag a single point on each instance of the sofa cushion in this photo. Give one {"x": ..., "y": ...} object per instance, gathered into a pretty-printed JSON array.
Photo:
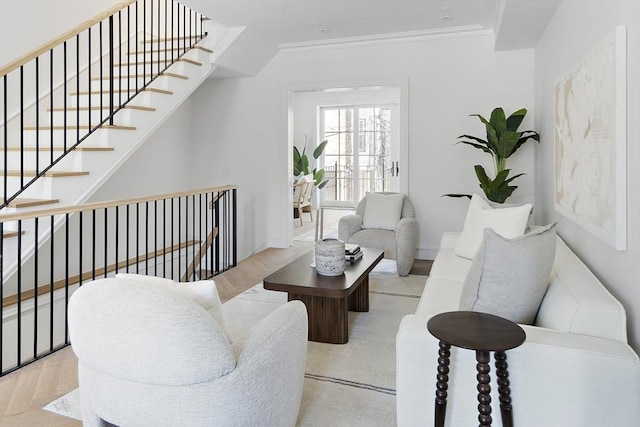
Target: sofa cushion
[
  {"x": 507, "y": 222},
  {"x": 438, "y": 296},
  {"x": 203, "y": 292},
  {"x": 448, "y": 265},
  {"x": 382, "y": 211},
  {"x": 509, "y": 277}
]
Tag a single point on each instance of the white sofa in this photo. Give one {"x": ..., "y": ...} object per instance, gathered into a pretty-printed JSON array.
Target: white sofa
[{"x": 574, "y": 369}]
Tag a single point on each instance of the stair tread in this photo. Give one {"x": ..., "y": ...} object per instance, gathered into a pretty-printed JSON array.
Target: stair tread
[
  {"x": 9, "y": 234},
  {"x": 50, "y": 174},
  {"x": 140, "y": 76},
  {"x": 24, "y": 202},
  {"x": 71, "y": 127},
  {"x": 160, "y": 61},
  {"x": 175, "y": 49},
  {"x": 106, "y": 92},
  {"x": 48, "y": 148},
  {"x": 193, "y": 36},
  {"x": 104, "y": 107}
]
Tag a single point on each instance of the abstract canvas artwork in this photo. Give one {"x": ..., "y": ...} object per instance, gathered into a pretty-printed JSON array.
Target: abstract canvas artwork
[{"x": 590, "y": 142}]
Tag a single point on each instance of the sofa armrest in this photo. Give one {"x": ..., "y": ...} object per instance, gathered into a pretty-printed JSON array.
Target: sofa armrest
[
  {"x": 557, "y": 379},
  {"x": 406, "y": 243},
  {"x": 349, "y": 225},
  {"x": 271, "y": 359}
]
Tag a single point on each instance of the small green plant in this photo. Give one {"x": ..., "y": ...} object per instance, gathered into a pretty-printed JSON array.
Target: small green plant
[
  {"x": 301, "y": 162},
  {"x": 503, "y": 139}
]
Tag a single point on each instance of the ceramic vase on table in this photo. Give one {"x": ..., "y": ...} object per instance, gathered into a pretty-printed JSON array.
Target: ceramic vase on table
[{"x": 329, "y": 257}]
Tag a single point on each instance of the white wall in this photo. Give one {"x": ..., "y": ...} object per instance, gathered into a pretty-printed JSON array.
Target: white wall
[
  {"x": 242, "y": 134},
  {"x": 574, "y": 30},
  {"x": 161, "y": 165},
  {"x": 28, "y": 24}
]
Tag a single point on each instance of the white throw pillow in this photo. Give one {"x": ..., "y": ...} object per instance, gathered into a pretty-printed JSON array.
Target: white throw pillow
[
  {"x": 507, "y": 222},
  {"x": 382, "y": 211},
  {"x": 509, "y": 277},
  {"x": 203, "y": 292}
]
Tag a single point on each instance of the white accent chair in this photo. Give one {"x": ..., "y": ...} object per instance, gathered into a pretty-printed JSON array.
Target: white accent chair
[
  {"x": 398, "y": 243},
  {"x": 149, "y": 354}
]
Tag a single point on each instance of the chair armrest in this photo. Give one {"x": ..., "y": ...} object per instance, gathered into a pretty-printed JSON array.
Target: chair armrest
[
  {"x": 406, "y": 243},
  {"x": 349, "y": 225},
  {"x": 271, "y": 360},
  {"x": 602, "y": 377}
]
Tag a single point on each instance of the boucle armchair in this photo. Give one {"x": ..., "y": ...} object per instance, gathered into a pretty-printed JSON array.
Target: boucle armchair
[
  {"x": 150, "y": 354},
  {"x": 388, "y": 223}
]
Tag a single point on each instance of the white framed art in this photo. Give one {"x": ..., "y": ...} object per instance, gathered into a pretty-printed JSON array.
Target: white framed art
[{"x": 591, "y": 141}]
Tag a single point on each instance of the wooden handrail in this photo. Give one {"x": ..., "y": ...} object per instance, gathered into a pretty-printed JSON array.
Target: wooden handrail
[
  {"x": 109, "y": 204},
  {"x": 63, "y": 37}
]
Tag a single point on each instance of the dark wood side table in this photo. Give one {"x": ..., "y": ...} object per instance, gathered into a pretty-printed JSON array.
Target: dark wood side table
[{"x": 483, "y": 333}]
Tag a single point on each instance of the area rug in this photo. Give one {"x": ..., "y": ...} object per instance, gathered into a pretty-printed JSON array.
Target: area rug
[{"x": 351, "y": 384}]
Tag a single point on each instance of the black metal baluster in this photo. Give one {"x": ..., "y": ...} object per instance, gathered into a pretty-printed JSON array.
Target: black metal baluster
[
  {"x": 19, "y": 293},
  {"x": 155, "y": 237},
  {"x": 128, "y": 57},
  {"x": 22, "y": 127},
  {"x": 93, "y": 244},
  {"x": 66, "y": 278},
  {"x": 206, "y": 226},
  {"x": 78, "y": 86},
  {"x": 234, "y": 252},
  {"x": 6, "y": 143},
  {"x": 146, "y": 237},
  {"x": 35, "y": 288},
  {"x": 50, "y": 100},
  {"x": 89, "y": 127},
  {"x": 101, "y": 76},
  {"x": 106, "y": 242},
  {"x": 151, "y": 41},
  {"x": 193, "y": 229},
  {"x": 80, "y": 268},
  {"x": 127, "y": 240},
  {"x": 137, "y": 238},
  {"x": 200, "y": 234},
  {"x": 64, "y": 95},
  {"x": 144, "y": 42},
  {"x": 37, "y": 115},
  {"x": 51, "y": 279},
  {"x": 165, "y": 34},
  {"x": 117, "y": 229},
  {"x": 120, "y": 59},
  {"x": 136, "y": 44},
  {"x": 111, "y": 67}
]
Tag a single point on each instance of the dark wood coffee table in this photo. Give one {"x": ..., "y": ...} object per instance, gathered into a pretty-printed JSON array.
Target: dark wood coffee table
[{"x": 328, "y": 299}]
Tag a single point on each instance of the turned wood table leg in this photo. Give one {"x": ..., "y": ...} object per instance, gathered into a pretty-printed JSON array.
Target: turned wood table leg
[
  {"x": 441, "y": 383},
  {"x": 484, "y": 387},
  {"x": 503, "y": 388}
]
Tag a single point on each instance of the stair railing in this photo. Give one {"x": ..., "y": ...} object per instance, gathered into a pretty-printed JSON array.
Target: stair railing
[
  {"x": 34, "y": 88},
  {"x": 184, "y": 236}
]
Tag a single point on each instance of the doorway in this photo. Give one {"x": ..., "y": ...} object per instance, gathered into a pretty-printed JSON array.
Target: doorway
[{"x": 368, "y": 128}]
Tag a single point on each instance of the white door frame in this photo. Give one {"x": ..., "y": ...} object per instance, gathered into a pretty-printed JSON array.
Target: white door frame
[{"x": 402, "y": 83}]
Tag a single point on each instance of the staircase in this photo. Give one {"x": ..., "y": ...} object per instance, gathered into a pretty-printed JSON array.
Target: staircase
[
  {"x": 71, "y": 113},
  {"x": 66, "y": 125}
]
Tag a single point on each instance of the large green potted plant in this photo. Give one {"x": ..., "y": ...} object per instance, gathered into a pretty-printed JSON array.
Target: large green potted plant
[
  {"x": 502, "y": 140},
  {"x": 301, "y": 162}
]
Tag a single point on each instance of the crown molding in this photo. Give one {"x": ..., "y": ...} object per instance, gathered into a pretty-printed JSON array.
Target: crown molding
[{"x": 377, "y": 39}]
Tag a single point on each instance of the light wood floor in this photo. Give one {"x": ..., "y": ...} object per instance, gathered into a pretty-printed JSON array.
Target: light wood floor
[{"x": 23, "y": 393}]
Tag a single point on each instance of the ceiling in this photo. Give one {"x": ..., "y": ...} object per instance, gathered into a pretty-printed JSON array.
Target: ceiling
[{"x": 299, "y": 23}]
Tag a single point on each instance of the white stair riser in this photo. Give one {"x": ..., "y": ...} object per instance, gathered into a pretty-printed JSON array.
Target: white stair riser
[
  {"x": 72, "y": 161},
  {"x": 144, "y": 98}
]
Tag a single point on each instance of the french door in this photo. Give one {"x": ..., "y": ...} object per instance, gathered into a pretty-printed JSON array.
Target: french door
[{"x": 361, "y": 154}]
